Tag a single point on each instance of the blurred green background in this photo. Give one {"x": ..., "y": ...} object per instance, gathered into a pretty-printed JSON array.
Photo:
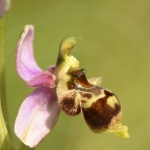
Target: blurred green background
[{"x": 115, "y": 45}]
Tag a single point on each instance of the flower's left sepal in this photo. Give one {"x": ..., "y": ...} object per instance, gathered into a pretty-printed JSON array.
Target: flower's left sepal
[{"x": 37, "y": 116}]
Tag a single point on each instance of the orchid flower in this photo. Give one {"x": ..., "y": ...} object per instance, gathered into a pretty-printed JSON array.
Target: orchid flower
[{"x": 61, "y": 87}]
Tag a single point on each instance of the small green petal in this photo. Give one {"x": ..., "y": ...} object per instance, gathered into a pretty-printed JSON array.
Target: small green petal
[
  {"x": 67, "y": 44},
  {"x": 65, "y": 60},
  {"x": 66, "y": 47}
]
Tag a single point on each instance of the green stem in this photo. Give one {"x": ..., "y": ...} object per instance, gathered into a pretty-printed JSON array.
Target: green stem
[
  {"x": 5, "y": 142},
  {"x": 2, "y": 71}
]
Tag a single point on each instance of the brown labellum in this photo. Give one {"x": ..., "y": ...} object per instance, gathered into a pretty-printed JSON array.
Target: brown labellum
[
  {"x": 100, "y": 114},
  {"x": 100, "y": 107}
]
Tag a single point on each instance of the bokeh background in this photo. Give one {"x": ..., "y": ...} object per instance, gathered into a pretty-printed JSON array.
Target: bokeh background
[{"x": 115, "y": 45}]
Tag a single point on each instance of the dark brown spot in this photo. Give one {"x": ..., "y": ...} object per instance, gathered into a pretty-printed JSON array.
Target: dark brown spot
[
  {"x": 85, "y": 95},
  {"x": 71, "y": 85},
  {"x": 108, "y": 94},
  {"x": 83, "y": 101},
  {"x": 99, "y": 115},
  {"x": 68, "y": 105}
]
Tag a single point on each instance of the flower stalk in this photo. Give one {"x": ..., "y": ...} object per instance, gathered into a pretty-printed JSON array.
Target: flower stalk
[
  {"x": 5, "y": 142},
  {"x": 2, "y": 72}
]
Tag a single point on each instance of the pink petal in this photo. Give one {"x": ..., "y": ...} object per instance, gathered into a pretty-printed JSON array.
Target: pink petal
[
  {"x": 37, "y": 116},
  {"x": 25, "y": 62},
  {"x": 43, "y": 79}
]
